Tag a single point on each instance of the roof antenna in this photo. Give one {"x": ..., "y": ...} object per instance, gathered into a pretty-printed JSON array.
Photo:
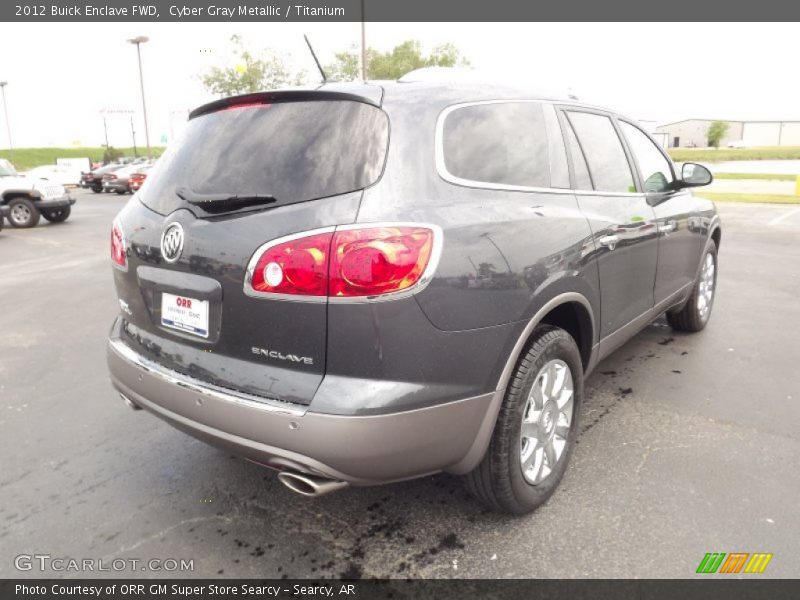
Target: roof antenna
[{"x": 316, "y": 60}]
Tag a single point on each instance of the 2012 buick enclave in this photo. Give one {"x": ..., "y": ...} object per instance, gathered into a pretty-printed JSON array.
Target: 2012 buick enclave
[{"x": 366, "y": 283}]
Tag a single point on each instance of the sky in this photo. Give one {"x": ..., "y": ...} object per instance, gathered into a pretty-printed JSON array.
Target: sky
[{"x": 659, "y": 72}]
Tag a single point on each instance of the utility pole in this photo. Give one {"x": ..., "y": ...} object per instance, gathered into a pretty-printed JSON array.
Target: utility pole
[
  {"x": 138, "y": 41},
  {"x": 3, "y": 85},
  {"x": 363, "y": 42},
  {"x": 133, "y": 134}
]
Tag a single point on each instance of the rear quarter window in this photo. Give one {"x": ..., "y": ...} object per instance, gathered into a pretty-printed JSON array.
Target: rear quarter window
[{"x": 496, "y": 144}]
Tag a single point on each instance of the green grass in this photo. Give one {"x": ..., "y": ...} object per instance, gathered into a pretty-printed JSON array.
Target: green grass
[
  {"x": 719, "y": 154},
  {"x": 769, "y": 176},
  {"x": 27, "y": 158},
  {"x": 757, "y": 198}
]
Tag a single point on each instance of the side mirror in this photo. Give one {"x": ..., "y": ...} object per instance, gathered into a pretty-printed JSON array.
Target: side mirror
[{"x": 694, "y": 175}]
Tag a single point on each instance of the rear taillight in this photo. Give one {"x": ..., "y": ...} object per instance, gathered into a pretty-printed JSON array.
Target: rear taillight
[
  {"x": 350, "y": 262},
  {"x": 378, "y": 260},
  {"x": 294, "y": 266},
  {"x": 118, "y": 256}
]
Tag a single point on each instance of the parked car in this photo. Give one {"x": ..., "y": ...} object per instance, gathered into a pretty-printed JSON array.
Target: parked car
[
  {"x": 94, "y": 179},
  {"x": 136, "y": 180},
  {"x": 295, "y": 284},
  {"x": 55, "y": 173},
  {"x": 27, "y": 198},
  {"x": 117, "y": 180}
]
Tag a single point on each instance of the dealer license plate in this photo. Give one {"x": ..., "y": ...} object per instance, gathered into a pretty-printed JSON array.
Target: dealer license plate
[{"x": 185, "y": 314}]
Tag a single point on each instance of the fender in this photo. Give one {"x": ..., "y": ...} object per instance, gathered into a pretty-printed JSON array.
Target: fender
[
  {"x": 14, "y": 192},
  {"x": 482, "y": 439}
]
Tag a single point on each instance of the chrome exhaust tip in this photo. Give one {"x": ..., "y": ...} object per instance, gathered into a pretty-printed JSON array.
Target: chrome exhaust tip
[
  {"x": 309, "y": 485},
  {"x": 130, "y": 403}
]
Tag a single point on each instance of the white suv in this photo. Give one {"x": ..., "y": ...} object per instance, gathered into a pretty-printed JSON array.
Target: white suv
[{"x": 28, "y": 198}]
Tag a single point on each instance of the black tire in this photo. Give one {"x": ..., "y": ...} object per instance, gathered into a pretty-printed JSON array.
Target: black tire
[
  {"x": 23, "y": 213},
  {"x": 120, "y": 192},
  {"x": 498, "y": 481},
  {"x": 57, "y": 215},
  {"x": 691, "y": 317},
  {"x": 97, "y": 189}
]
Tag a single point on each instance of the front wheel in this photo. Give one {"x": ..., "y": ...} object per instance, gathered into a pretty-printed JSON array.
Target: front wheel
[
  {"x": 22, "y": 213},
  {"x": 56, "y": 215},
  {"x": 695, "y": 313},
  {"x": 536, "y": 427}
]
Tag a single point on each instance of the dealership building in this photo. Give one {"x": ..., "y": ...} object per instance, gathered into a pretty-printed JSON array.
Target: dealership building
[{"x": 694, "y": 133}]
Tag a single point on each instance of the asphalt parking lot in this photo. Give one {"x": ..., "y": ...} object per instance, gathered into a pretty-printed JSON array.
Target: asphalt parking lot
[{"x": 689, "y": 444}]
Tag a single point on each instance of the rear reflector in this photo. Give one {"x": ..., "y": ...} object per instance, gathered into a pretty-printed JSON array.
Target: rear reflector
[
  {"x": 118, "y": 245},
  {"x": 352, "y": 262}
]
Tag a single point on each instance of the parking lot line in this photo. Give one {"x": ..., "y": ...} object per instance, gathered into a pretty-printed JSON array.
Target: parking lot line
[{"x": 785, "y": 215}]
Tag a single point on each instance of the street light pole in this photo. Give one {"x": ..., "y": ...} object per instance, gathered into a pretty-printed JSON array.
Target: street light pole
[
  {"x": 138, "y": 41},
  {"x": 363, "y": 43},
  {"x": 3, "y": 85}
]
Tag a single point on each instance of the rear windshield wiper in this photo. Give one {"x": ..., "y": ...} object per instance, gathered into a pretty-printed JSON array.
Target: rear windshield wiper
[{"x": 220, "y": 203}]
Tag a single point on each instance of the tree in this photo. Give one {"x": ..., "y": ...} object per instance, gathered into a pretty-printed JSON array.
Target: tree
[
  {"x": 251, "y": 73},
  {"x": 396, "y": 63},
  {"x": 111, "y": 154},
  {"x": 717, "y": 131}
]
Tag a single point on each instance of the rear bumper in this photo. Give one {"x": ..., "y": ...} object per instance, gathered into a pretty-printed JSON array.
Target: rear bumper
[
  {"x": 59, "y": 202},
  {"x": 115, "y": 187},
  {"x": 362, "y": 450}
]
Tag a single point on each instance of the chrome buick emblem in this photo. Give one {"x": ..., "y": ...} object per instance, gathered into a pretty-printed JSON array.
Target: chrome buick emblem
[{"x": 172, "y": 242}]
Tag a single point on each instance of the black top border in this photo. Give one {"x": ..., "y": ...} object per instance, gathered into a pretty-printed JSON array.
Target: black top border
[{"x": 276, "y": 11}]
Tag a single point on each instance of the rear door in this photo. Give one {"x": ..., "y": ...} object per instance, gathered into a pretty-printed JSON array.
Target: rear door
[
  {"x": 623, "y": 224},
  {"x": 681, "y": 240},
  {"x": 302, "y": 161}
]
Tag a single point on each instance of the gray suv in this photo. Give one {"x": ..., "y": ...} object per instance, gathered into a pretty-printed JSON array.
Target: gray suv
[{"x": 368, "y": 283}]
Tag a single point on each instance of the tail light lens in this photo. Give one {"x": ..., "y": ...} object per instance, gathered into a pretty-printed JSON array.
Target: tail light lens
[
  {"x": 118, "y": 256},
  {"x": 348, "y": 263},
  {"x": 378, "y": 260},
  {"x": 298, "y": 267}
]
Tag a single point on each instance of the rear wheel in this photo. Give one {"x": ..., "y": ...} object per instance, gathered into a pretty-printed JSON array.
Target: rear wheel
[
  {"x": 97, "y": 188},
  {"x": 695, "y": 313},
  {"x": 536, "y": 427},
  {"x": 23, "y": 213},
  {"x": 56, "y": 215}
]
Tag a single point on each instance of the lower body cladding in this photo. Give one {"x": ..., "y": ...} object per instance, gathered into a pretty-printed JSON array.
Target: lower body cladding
[{"x": 315, "y": 452}]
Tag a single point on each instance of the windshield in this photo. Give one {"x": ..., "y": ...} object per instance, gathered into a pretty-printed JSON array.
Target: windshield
[
  {"x": 6, "y": 168},
  {"x": 291, "y": 151}
]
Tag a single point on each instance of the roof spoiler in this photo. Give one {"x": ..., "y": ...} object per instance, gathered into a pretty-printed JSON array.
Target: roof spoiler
[{"x": 275, "y": 97}]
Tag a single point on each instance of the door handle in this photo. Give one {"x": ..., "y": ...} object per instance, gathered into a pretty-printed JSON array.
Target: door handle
[
  {"x": 609, "y": 241},
  {"x": 667, "y": 227}
]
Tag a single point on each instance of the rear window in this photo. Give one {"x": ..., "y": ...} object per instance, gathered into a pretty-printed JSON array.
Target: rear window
[
  {"x": 497, "y": 143},
  {"x": 293, "y": 151}
]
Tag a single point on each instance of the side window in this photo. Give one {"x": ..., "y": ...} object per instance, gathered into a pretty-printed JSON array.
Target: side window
[
  {"x": 655, "y": 169},
  {"x": 605, "y": 157},
  {"x": 583, "y": 181},
  {"x": 500, "y": 143}
]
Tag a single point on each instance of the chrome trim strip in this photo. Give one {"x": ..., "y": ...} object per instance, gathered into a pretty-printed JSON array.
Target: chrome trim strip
[
  {"x": 441, "y": 167},
  {"x": 171, "y": 377}
]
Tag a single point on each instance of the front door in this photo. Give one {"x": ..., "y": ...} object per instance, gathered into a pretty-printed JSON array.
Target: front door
[
  {"x": 623, "y": 224},
  {"x": 681, "y": 240}
]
